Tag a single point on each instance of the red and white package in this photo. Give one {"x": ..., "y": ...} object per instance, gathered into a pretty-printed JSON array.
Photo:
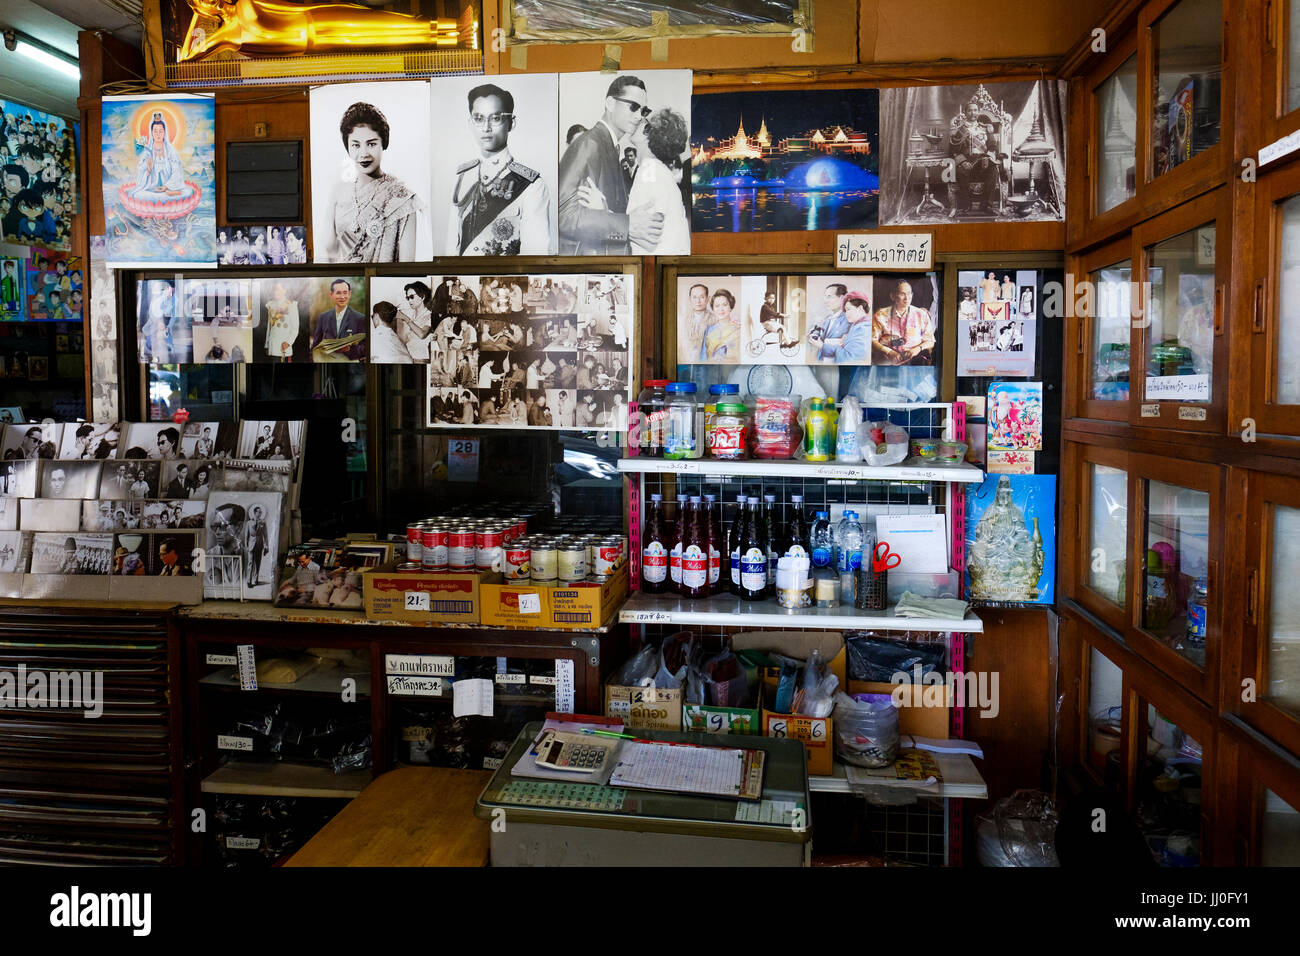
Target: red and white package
[{"x": 776, "y": 427}]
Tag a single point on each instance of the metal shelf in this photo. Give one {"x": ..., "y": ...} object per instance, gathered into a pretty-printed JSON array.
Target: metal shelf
[
  {"x": 961, "y": 781},
  {"x": 726, "y": 610},
  {"x": 959, "y": 473}
]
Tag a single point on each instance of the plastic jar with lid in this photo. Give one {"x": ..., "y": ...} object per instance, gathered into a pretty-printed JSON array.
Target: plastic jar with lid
[
  {"x": 717, "y": 394},
  {"x": 730, "y": 426},
  {"x": 684, "y": 422},
  {"x": 652, "y": 407}
]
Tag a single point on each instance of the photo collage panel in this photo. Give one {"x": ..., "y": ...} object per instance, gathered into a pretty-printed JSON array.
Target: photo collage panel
[{"x": 997, "y": 322}]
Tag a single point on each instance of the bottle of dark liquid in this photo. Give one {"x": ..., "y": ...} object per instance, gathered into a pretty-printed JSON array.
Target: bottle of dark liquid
[
  {"x": 796, "y": 541},
  {"x": 773, "y": 529},
  {"x": 695, "y": 552},
  {"x": 733, "y": 545},
  {"x": 717, "y": 543},
  {"x": 655, "y": 545},
  {"x": 678, "y": 530},
  {"x": 753, "y": 554}
]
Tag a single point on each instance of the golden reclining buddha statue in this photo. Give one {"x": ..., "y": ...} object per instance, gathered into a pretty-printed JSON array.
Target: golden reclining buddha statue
[{"x": 284, "y": 28}]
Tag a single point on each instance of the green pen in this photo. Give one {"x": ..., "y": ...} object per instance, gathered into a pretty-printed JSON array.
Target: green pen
[{"x": 607, "y": 733}]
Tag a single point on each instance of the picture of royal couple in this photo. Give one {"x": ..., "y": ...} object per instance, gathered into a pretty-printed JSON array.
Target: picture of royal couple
[
  {"x": 901, "y": 331},
  {"x": 624, "y": 176}
]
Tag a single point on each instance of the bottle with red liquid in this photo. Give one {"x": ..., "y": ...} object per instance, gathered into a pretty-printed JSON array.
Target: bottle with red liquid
[
  {"x": 717, "y": 543},
  {"x": 677, "y": 530},
  {"x": 655, "y": 543},
  {"x": 695, "y": 552}
]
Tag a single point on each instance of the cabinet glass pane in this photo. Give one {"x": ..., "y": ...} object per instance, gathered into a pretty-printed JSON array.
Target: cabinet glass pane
[
  {"x": 1110, "y": 331},
  {"x": 1117, "y": 134},
  {"x": 1105, "y": 716},
  {"x": 1180, "y": 336},
  {"x": 1169, "y": 793},
  {"x": 1279, "y": 833},
  {"x": 1108, "y": 533},
  {"x": 1284, "y": 611},
  {"x": 1293, "y": 56},
  {"x": 1188, "y": 49},
  {"x": 1288, "y": 305},
  {"x": 1177, "y": 564}
]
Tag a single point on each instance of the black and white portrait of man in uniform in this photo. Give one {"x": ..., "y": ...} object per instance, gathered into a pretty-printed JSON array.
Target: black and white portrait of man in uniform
[{"x": 501, "y": 201}]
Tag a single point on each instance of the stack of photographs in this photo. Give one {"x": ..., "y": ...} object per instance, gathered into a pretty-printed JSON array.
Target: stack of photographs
[{"x": 324, "y": 574}]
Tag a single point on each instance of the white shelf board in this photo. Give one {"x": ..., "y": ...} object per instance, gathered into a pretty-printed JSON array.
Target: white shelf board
[
  {"x": 727, "y": 609},
  {"x": 959, "y": 473},
  {"x": 961, "y": 780}
]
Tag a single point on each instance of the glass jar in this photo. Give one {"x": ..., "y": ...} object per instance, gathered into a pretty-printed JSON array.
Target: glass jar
[
  {"x": 717, "y": 394},
  {"x": 684, "y": 422},
  {"x": 727, "y": 437},
  {"x": 652, "y": 409}
]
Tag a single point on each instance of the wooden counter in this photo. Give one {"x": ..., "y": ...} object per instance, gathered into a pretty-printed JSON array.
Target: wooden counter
[{"x": 412, "y": 816}]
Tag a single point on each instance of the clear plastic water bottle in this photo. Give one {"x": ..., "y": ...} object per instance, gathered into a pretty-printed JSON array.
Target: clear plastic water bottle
[
  {"x": 822, "y": 539},
  {"x": 849, "y": 539}
]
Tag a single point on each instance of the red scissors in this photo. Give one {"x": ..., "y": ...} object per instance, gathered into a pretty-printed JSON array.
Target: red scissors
[{"x": 882, "y": 561}]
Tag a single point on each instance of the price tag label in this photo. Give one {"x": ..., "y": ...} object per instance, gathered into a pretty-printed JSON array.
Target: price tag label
[
  {"x": 682, "y": 466},
  {"x": 530, "y": 604},
  {"x": 242, "y": 843},
  {"x": 221, "y": 660},
  {"x": 417, "y": 601},
  {"x": 400, "y": 686},
  {"x": 1191, "y": 413},
  {"x": 549, "y": 680},
  {"x": 564, "y": 685},
  {"x": 645, "y": 617},
  {"x": 777, "y": 728},
  {"x": 510, "y": 678},
  {"x": 1151, "y": 410},
  {"x": 227, "y": 742},
  {"x": 247, "y": 667}
]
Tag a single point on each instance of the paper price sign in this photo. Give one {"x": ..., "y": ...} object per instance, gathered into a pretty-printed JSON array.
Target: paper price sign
[
  {"x": 530, "y": 604},
  {"x": 242, "y": 843},
  {"x": 226, "y": 742},
  {"x": 417, "y": 601},
  {"x": 564, "y": 685},
  {"x": 645, "y": 617},
  {"x": 221, "y": 660},
  {"x": 777, "y": 728}
]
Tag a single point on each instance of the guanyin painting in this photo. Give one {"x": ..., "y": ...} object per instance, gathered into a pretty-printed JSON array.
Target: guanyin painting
[{"x": 160, "y": 202}]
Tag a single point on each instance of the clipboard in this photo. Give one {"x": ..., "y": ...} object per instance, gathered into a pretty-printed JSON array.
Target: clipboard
[{"x": 726, "y": 772}]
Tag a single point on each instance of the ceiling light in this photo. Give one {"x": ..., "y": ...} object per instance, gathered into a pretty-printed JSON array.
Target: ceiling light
[{"x": 45, "y": 58}]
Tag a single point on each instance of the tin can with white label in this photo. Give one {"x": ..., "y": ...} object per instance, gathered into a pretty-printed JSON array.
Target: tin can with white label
[
  {"x": 543, "y": 562},
  {"x": 573, "y": 561},
  {"x": 413, "y": 543}
]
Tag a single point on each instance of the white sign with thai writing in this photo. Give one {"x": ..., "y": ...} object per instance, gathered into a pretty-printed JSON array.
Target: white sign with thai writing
[
  {"x": 1279, "y": 148},
  {"x": 1185, "y": 388},
  {"x": 896, "y": 251},
  {"x": 420, "y": 665}
]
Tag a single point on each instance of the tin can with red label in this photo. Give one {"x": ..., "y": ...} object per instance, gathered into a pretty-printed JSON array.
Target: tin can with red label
[
  {"x": 413, "y": 543},
  {"x": 461, "y": 550},
  {"x": 433, "y": 547},
  {"x": 516, "y": 566},
  {"x": 609, "y": 552},
  {"x": 488, "y": 542}
]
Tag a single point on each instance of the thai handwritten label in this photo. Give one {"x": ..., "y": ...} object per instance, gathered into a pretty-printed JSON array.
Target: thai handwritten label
[
  {"x": 420, "y": 665},
  {"x": 896, "y": 250},
  {"x": 1151, "y": 411},
  {"x": 1191, "y": 413},
  {"x": 1186, "y": 388}
]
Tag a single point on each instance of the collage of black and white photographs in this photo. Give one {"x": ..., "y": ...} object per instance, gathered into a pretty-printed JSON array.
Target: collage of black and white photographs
[
  {"x": 997, "y": 317},
  {"x": 530, "y": 351},
  {"x": 844, "y": 319},
  {"x": 578, "y": 163},
  {"x": 205, "y": 320}
]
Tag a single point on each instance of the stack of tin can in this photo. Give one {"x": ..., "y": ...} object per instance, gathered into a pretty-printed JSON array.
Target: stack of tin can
[
  {"x": 461, "y": 544},
  {"x": 565, "y": 560}
]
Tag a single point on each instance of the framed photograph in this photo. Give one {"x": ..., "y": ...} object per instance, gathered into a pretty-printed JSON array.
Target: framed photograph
[
  {"x": 337, "y": 330},
  {"x": 1011, "y": 539},
  {"x": 624, "y": 156},
  {"x": 495, "y": 175},
  {"x": 30, "y": 441},
  {"x": 371, "y": 146},
  {"x": 242, "y": 541}
]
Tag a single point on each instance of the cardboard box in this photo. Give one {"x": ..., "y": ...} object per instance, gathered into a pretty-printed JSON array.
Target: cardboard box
[
  {"x": 703, "y": 718},
  {"x": 817, "y": 733},
  {"x": 581, "y": 607},
  {"x": 644, "y": 708},
  {"x": 453, "y": 597},
  {"x": 914, "y": 717}
]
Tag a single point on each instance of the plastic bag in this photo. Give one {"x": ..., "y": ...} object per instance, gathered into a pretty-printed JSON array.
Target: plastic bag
[
  {"x": 776, "y": 431},
  {"x": 894, "y": 385},
  {"x": 866, "y": 729},
  {"x": 816, "y": 697},
  {"x": 883, "y": 443},
  {"x": 875, "y": 659},
  {"x": 640, "y": 667},
  {"x": 1019, "y": 831},
  {"x": 725, "y": 682}
]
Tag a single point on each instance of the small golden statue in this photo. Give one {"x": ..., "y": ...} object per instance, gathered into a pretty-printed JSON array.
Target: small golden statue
[{"x": 282, "y": 28}]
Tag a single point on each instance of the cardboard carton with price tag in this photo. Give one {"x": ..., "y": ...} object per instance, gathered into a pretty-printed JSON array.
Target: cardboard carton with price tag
[
  {"x": 425, "y": 597},
  {"x": 569, "y": 608},
  {"x": 817, "y": 733},
  {"x": 645, "y": 708},
  {"x": 708, "y": 719}
]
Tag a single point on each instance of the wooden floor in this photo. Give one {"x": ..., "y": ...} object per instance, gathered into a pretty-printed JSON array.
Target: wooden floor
[{"x": 411, "y": 816}]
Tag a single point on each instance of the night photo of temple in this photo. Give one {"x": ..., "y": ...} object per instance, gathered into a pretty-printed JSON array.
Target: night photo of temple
[{"x": 804, "y": 161}]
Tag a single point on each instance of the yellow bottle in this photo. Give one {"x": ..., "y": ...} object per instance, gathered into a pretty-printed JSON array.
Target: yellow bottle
[{"x": 817, "y": 441}]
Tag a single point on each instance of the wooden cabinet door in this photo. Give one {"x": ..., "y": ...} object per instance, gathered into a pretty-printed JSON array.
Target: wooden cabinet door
[
  {"x": 1280, "y": 70},
  {"x": 1098, "y": 563},
  {"x": 1275, "y": 313},
  {"x": 1100, "y": 306}
]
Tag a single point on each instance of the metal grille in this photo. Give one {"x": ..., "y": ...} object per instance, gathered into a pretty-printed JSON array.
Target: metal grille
[{"x": 915, "y": 833}]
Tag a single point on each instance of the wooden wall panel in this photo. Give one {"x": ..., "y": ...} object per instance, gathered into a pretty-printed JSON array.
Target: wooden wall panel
[{"x": 286, "y": 117}]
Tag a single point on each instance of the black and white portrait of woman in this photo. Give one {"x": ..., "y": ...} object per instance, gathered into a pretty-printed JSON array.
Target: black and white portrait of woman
[{"x": 370, "y": 179}]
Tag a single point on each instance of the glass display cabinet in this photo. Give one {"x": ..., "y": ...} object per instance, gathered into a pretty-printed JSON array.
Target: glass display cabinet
[
  {"x": 1114, "y": 143},
  {"x": 1168, "y": 786},
  {"x": 1275, "y": 308},
  {"x": 1186, "y": 48},
  {"x": 1104, "y": 318},
  {"x": 1175, "y": 588},
  {"x": 1101, "y": 578},
  {"x": 1280, "y": 65}
]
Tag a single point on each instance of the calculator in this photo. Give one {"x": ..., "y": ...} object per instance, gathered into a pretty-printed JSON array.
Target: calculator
[{"x": 575, "y": 753}]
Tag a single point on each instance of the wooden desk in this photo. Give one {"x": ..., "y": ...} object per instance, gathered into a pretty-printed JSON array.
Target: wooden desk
[{"x": 411, "y": 816}]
